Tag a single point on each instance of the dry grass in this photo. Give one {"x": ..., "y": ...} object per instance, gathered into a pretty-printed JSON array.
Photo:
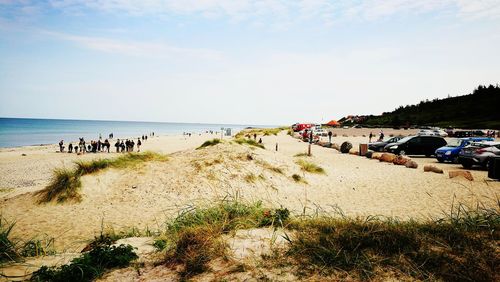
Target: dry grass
[
  {"x": 270, "y": 167},
  {"x": 298, "y": 178},
  {"x": 310, "y": 167},
  {"x": 65, "y": 183},
  {"x": 260, "y": 131},
  {"x": 250, "y": 178},
  {"x": 250, "y": 142},
  {"x": 301, "y": 155}
]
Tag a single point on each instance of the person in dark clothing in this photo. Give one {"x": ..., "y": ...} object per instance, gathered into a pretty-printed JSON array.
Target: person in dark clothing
[
  {"x": 99, "y": 144},
  {"x": 70, "y": 148},
  {"x": 139, "y": 143},
  {"x": 89, "y": 148},
  {"x": 330, "y": 137},
  {"x": 260, "y": 140},
  {"x": 76, "y": 148},
  {"x": 117, "y": 145},
  {"x": 61, "y": 146},
  {"x": 132, "y": 144},
  {"x": 122, "y": 145},
  {"x": 255, "y": 136},
  {"x": 106, "y": 145}
]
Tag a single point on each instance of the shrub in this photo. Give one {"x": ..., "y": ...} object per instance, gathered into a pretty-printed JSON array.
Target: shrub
[
  {"x": 250, "y": 142},
  {"x": 7, "y": 246},
  {"x": 89, "y": 266}
]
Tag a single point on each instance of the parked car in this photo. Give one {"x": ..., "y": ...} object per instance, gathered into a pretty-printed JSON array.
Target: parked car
[
  {"x": 478, "y": 153},
  {"x": 451, "y": 151},
  {"x": 320, "y": 132},
  {"x": 416, "y": 145},
  {"x": 379, "y": 145}
]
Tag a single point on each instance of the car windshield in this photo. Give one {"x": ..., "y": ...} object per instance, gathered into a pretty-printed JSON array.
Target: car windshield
[
  {"x": 405, "y": 139},
  {"x": 454, "y": 143}
]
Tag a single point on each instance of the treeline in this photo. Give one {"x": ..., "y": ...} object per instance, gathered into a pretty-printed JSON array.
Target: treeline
[{"x": 480, "y": 109}]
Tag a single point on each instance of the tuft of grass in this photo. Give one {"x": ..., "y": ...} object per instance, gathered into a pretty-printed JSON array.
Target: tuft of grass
[
  {"x": 270, "y": 167},
  {"x": 250, "y": 178},
  {"x": 298, "y": 178},
  {"x": 301, "y": 155},
  {"x": 65, "y": 183},
  {"x": 192, "y": 239},
  {"x": 38, "y": 247},
  {"x": 90, "y": 265},
  {"x": 8, "y": 247},
  {"x": 310, "y": 167},
  {"x": 457, "y": 248},
  {"x": 250, "y": 142},
  {"x": 209, "y": 143}
]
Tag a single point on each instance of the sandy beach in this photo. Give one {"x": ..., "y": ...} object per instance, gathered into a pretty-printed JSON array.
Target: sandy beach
[{"x": 144, "y": 198}]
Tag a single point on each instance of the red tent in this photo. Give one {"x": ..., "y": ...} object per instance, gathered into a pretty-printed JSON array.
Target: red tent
[{"x": 333, "y": 123}]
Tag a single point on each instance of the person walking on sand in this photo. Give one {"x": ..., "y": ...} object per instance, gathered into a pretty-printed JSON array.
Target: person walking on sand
[
  {"x": 370, "y": 137},
  {"x": 255, "y": 136},
  {"x": 70, "y": 148},
  {"x": 381, "y": 138},
  {"x": 330, "y": 137},
  {"x": 139, "y": 144}
]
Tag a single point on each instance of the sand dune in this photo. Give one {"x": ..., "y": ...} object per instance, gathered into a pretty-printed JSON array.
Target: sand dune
[{"x": 146, "y": 197}]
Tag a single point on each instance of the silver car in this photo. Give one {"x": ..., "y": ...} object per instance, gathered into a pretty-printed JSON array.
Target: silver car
[{"x": 478, "y": 153}]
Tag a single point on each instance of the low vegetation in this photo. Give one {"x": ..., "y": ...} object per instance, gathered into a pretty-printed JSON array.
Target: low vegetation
[
  {"x": 310, "y": 167},
  {"x": 209, "y": 143},
  {"x": 462, "y": 247},
  {"x": 298, "y": 178},
  {"x": 14, "y": 250},
  {"x": 65, "y": 183},
  {"x": 90, "y": 265},
  {"x": 250, "y": 142},
  {"x": 270, "y": 167},
  {"x": 301, "y": 155},
  {"x": 194, "y": 237},
  {"x": 260, "y": 131},
  {"x": 250, "y": 178}
]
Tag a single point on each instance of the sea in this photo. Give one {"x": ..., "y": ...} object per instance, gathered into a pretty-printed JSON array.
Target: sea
[{"x": 16, "y": 132}]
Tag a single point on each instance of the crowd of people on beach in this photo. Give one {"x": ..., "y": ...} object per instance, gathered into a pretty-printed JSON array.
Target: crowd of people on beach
[{"x": 122, "y": 146}]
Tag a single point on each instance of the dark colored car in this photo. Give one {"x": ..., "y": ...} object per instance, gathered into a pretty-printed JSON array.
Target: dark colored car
[
  {"x": 416, "y": 145},
  {"x": 379, "y": 145}
]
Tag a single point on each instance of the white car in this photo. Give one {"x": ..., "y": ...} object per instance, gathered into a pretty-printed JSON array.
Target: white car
[{"x": 320, "y": 132}]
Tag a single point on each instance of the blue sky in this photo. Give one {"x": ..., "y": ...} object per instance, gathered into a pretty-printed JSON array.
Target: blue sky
[{"x": 240, "y": 61}]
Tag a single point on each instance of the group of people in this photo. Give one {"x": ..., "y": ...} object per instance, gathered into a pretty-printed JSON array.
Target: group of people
[
  {"x": 380, "y": 136},
  {"x": 124, "y": 145}
]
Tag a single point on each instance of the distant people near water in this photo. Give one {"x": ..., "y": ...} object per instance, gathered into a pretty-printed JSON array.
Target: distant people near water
[
  {"x": 111, "y": 135},
  {"x": 70, "y": 148},
  {"x": 61, "y": 146},
  {"x": 107, "y": 145},
  {"x": 76, "y": 148},
  {"x": 122, "y": 146},
  {"x": 139, "y": 143},
  {"x": 117, "y": 145},
  {"x": 255, "y": 136},
  {"x": 82, "y": 145},
  {"x": 370, "y": 137}
]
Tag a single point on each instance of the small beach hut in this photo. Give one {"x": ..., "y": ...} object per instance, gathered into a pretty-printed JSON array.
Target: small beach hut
[{"x": 333, "y": 123}]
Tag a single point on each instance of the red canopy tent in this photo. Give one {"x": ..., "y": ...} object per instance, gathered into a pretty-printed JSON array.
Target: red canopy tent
[{"x": 333, "y": 123}]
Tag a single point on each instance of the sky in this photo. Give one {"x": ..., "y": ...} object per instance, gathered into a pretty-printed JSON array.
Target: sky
[{"x": 240, "y": 61}]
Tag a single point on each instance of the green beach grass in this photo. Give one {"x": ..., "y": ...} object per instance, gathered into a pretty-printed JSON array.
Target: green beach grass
[{"x": 65, "y": 183}]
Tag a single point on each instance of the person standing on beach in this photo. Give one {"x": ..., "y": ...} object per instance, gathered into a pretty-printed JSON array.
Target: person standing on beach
[
  {"x": 61, "y": 147},
  {"x": 370, "y": 137},
  {"x": 330, "y": 137},
  {"x": 70, "y": 148},
  {"x": 117, "y": 145},
  {"x": 381, "y": 138},
  {"x": 139, "y": 144}
]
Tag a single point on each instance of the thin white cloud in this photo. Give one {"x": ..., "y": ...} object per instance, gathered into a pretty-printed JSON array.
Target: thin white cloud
[{"x": 134, "y": 48}]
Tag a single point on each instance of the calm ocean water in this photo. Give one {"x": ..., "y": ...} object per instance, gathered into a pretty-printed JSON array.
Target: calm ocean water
[{"x": 16, "y": 132}]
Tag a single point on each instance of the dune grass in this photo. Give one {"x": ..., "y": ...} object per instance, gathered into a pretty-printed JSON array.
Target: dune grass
[
  {"x": 250, "y": 178},
  {"x": 250, "y": 142},
  {"x": 298, "y": 178},
  {"x": 456, "y": 248},
  {"x": 65, "y": 183},
  {"x": 301, "y": 155},
  {"x": 260, "y": 131},
  {"x": 209, "y": 143},
  {"x": 310, "y": 167},
  {"x": 194, "y": 237},
  {"x": 270, "y": 167},
  {"x": 8, "y": 247}
]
